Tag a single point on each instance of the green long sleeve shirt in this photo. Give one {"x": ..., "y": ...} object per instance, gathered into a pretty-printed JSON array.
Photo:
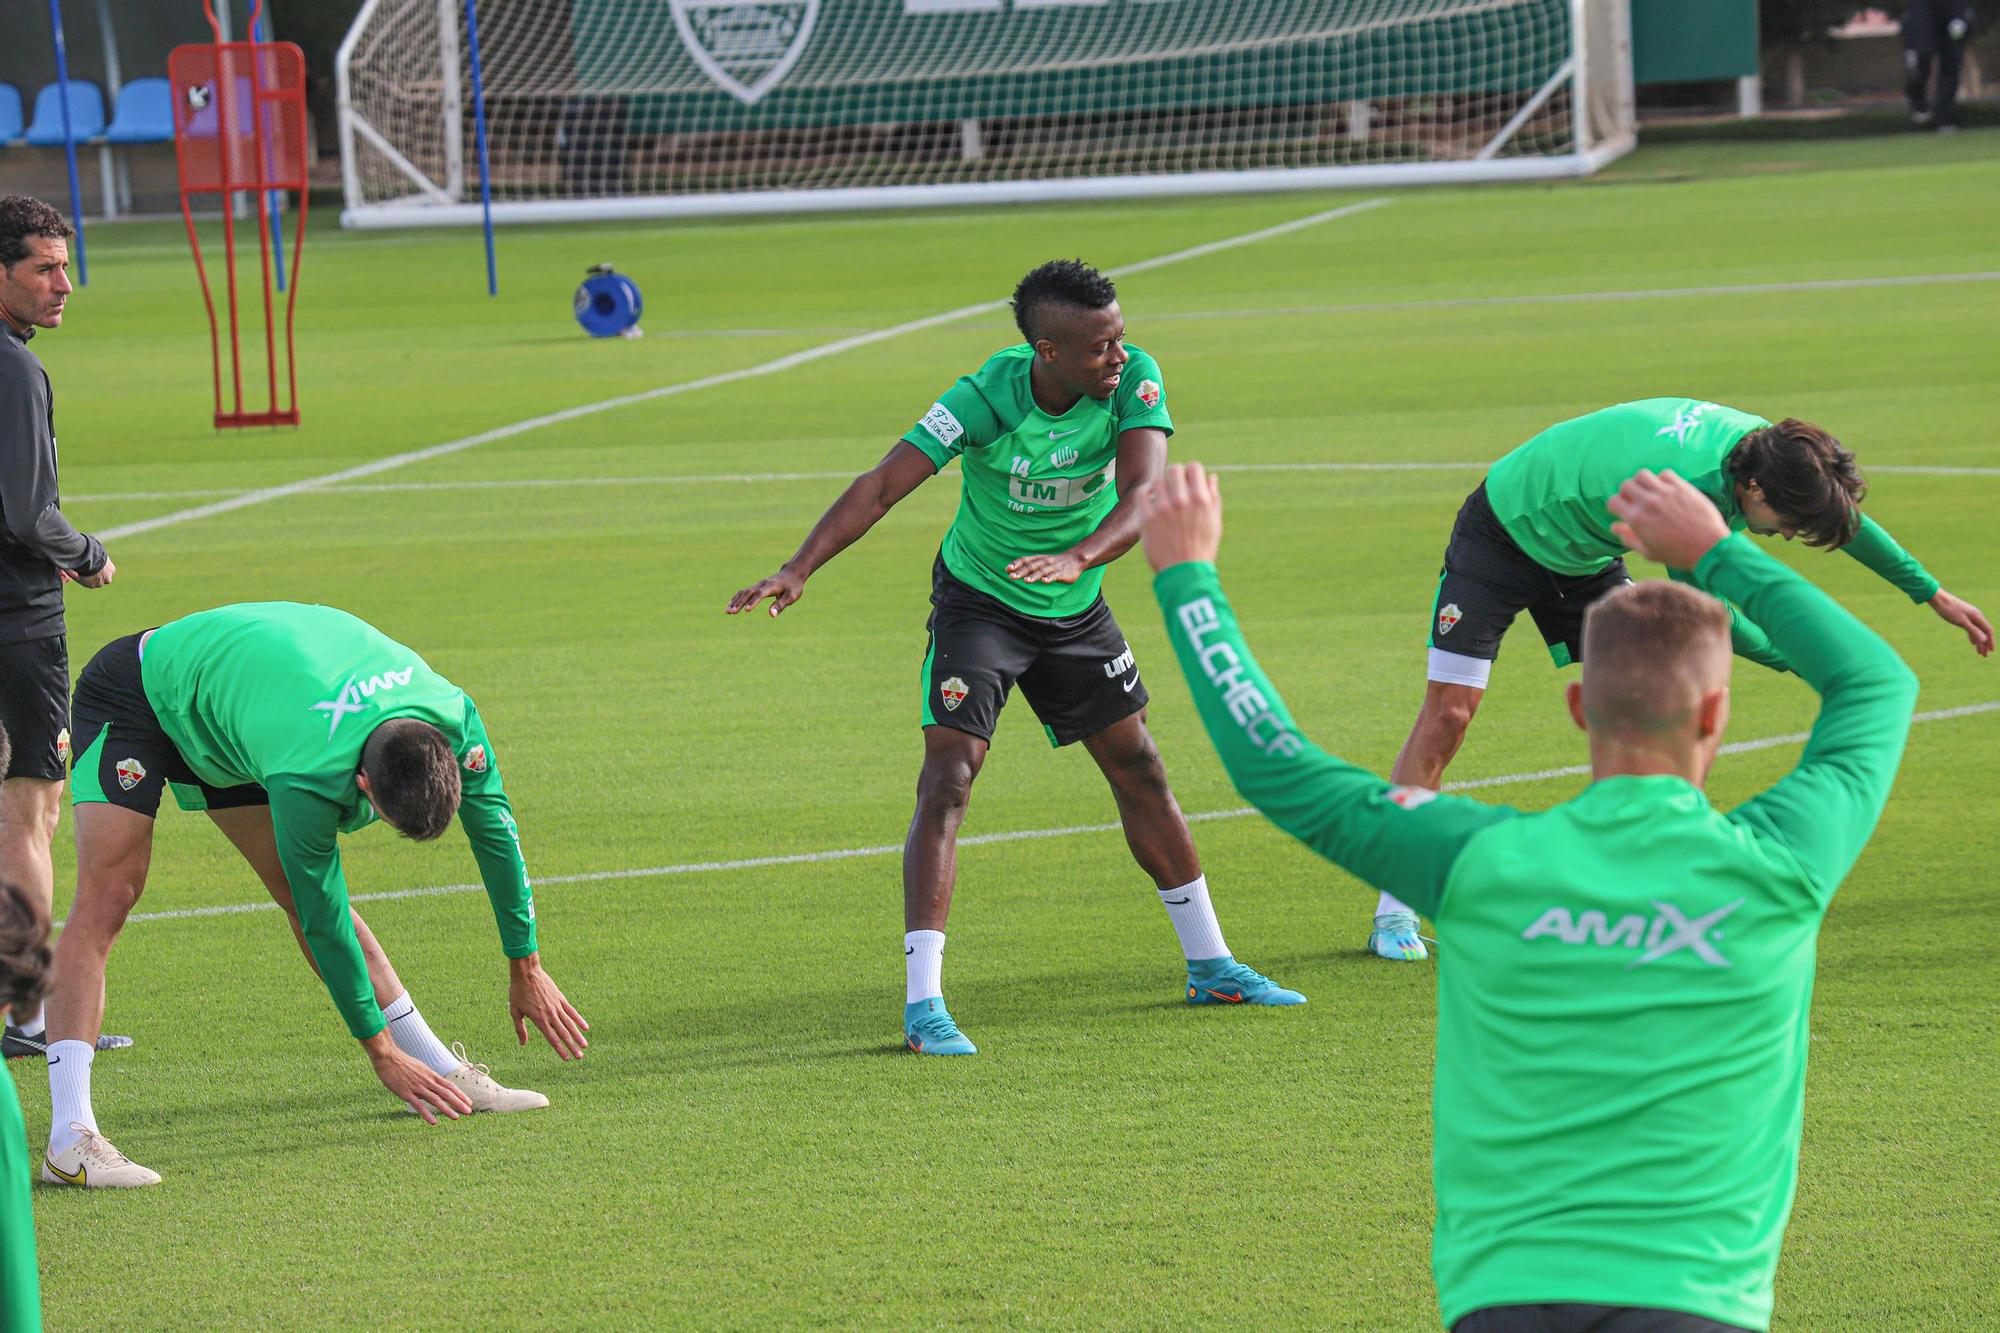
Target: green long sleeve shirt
[
  {"x": 284, "y": 695},
  {"x": 20, "y": 1281},
  {"x": 1552, "y": 494},
  {"x": 1622, "y": 1014}
]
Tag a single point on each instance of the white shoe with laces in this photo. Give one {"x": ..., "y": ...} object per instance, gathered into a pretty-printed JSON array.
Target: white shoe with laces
[
  {"x": 476, "y": 1082},
  {"x": 92, "y": 1163}
]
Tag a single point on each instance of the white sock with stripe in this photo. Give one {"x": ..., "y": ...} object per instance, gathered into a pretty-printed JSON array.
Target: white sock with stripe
[
  {"x": 69, "y": 1092},
  {"x": 1194, "y": 920},
  {"x": 923, "y": 965},
  {"x": 413, "y": 1036}
]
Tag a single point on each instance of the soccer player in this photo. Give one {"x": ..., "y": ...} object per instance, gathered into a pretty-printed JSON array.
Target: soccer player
[
  {"x": 1622, "y": 1027},
  {"x": 1054, "y": 437},
  {"x": 1536, "y": 536},
  {"x": 289, "y": 725},
  {"x": 40, "y": 551}
]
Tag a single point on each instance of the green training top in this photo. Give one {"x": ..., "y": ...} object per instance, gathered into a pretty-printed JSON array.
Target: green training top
[
  {"x": 283, "y": 696},
  {"x": 1034, "y": 484},
  {"x": 1621, "y": 1044},
  {"x": 1552, "y": 493},
  {"x": 20, "y": 1280}
]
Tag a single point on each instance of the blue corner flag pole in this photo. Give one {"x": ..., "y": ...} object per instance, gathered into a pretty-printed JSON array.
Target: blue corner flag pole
[
  {"x": 479, "y": 129},
  {"x": 260, "y": 33},
  {"x": 69, "y": 145}
]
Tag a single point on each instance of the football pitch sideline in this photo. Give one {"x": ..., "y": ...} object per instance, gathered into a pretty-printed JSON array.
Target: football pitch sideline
[{"x": 709, "y": 805}]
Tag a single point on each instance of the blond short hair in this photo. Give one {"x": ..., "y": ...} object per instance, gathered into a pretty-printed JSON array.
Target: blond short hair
[{"x": 1650, "y": 651}]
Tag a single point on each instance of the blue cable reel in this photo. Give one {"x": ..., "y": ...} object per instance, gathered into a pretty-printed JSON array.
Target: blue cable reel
[{"x": 608, "y": 304}]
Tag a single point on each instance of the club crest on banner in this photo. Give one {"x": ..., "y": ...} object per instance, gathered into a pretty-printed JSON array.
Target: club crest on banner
[
  {"x": 130, "y": 773},
  {"x": 1448, "y": 617},
  {"x": 954, "y": 692},
  {"x": 746, "y": 46}
]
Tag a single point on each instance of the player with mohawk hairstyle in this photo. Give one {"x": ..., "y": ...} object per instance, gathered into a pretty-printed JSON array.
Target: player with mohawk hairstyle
[{"x": 1055, "y": 437}]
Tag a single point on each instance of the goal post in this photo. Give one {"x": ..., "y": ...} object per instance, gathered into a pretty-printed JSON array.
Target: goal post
[{"x": 606, "y": 109}]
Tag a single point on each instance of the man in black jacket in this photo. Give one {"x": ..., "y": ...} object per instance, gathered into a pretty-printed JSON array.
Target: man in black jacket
[
  {"x": 1934, "y": 33},
  {"x": 39, "y": 551}
]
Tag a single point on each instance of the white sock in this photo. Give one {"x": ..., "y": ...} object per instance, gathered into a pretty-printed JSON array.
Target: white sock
[
  {"x": 69, "y": 1091},
  {"x": 1389, "y": 902},
  {"x": 32, "y": 1025},
  {"x": 923, "y": 965},
  {"x": 1194, "y": 920},
  {"x": 413, "y": 1036}
]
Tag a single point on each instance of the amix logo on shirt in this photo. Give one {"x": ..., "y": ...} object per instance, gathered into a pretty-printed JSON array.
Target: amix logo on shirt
[
  {"x": 353, "y": 696},
  {"x": 1668, "y": 932}
]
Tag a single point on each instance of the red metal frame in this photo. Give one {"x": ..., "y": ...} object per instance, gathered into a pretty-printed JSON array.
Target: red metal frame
[{"x": 209, "y": 146}]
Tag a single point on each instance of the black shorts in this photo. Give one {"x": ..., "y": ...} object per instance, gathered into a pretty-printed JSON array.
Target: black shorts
[
  {"x": 1574, "y": 1318},
  {"x": 34, "y": 706},
  {"x": 1076, "y": 671},
  {"x": 124, "y": 757},
  {"x": 1488, "y": 579}
]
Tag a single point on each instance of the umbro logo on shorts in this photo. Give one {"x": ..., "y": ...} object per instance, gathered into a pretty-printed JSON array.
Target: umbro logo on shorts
[{"x": 130, "y": 773}]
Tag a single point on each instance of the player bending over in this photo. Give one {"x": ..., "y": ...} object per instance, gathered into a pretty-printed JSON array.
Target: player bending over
[
  {"x": 1054, "y": 437},
  {"x": 1536, "y": 536},
  {"x": 1621, "y": 1044},
  {"x": 289, "y": 725}
]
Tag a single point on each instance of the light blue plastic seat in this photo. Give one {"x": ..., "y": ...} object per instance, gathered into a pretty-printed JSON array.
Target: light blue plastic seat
[
  {"x": 86, "y": 114},
  {"x": 145, "y": 113}
]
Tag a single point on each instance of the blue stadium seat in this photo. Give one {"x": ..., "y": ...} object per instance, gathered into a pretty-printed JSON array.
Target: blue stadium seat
[
  {"x": 86, "y": 114},
  {"x": 10, "y": 113},
  {"x": 145, "y": 113}
]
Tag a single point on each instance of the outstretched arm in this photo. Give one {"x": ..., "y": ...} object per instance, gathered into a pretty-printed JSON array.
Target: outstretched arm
[
  {"x": 1823, "y": 811},
  {"x": 1142, "y": 453},
  {"x": 862, "y": 505},
  {"x": 1875, "y": 548},
  {"x": 1402, "y": 839}
]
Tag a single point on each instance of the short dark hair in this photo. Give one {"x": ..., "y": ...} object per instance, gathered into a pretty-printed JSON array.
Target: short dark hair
[
  {"x": 25, "y": 954},
  {"x": 22, "y": 216},
  {"x": 413, "y": 776},
  {"x": 1068, "y": 282},
  {"x": 1808, "y": 477}
]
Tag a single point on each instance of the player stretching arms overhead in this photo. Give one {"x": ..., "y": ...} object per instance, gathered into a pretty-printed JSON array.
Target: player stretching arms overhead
[
  {"x": 1621, "y": 1038},
  {"x": 1054, "y": 438},
  {"x": 289, "y": 725},
  {"x": 1536, "y": 537}
]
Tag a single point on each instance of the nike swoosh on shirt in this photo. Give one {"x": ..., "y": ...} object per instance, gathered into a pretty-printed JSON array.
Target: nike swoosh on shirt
[{"x": 1057, "y": 435}]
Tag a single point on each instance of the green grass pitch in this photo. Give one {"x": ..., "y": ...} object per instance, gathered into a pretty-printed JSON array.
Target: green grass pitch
[{"x": 746, "y": 1145}]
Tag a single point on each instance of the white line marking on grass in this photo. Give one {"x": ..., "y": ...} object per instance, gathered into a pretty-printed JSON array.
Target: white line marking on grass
[
  {"x": 1571, "y": 298},
  {"x": 744, "y": 478},
  {"x": 981, "y": 840},
  {"x": 773, "y": 367}
]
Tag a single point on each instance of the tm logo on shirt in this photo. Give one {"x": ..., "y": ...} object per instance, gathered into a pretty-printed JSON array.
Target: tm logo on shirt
[
  {"x": 354, "y": 695},
  {"x": 1668, "y": 932}
]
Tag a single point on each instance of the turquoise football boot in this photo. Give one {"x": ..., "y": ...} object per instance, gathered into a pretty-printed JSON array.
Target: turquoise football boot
[
  {"x": 927, "y": 1026},
  {"x": 1395, "y": 938},
  {"x": 1225, "y": 981}
]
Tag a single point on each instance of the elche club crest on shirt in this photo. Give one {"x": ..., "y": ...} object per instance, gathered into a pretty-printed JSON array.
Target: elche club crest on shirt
[
  {"x": 130, "y": 773},
  {"x": 1149, "y": 392},
  {"x": 745, "y": 46},
  {"x": 1449, "y": 616},
  {"x": 954, "y": 692},
  {"x": 475, "y": 759}
]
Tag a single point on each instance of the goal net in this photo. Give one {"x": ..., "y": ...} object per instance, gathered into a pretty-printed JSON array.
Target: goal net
[{"x": 626, "y": 108}]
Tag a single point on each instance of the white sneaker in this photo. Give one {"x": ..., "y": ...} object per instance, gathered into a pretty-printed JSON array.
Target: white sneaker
[
  {"x": 476, "y": 1082},
  {"x": 93, "y": 1163}
]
